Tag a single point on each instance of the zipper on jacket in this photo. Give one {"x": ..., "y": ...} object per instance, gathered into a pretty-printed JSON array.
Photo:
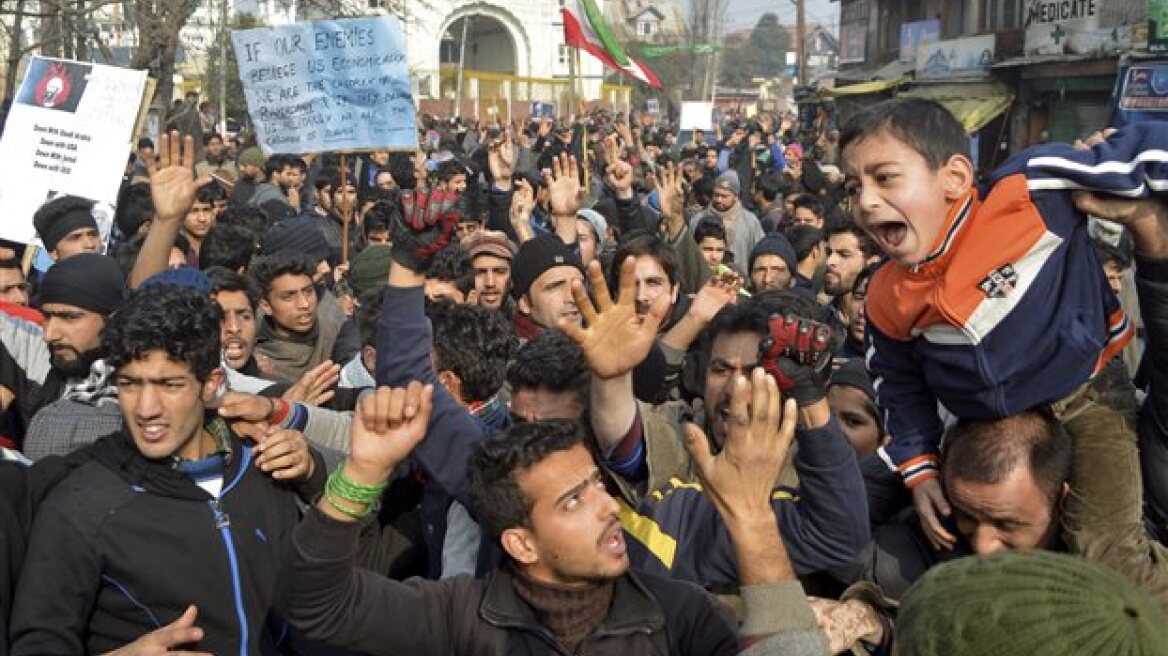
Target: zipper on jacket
[{"x": 223, "y": 525}]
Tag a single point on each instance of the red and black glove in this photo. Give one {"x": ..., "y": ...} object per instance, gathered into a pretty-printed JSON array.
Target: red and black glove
[
  {"x": 425, "y": 226},
  {"x": 797, "y": 352}
]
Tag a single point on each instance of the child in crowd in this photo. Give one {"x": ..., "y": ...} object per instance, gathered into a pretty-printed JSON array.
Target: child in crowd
[{"x": 994, "y": 301}]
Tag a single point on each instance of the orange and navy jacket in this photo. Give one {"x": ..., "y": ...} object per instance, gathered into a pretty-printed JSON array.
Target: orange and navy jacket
[{"x": 1011, "y": 310}]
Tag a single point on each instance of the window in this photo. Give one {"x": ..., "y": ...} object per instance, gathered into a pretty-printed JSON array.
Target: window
[
  {"x": 646, "y": 28},
  {"x": 1001, "y": 14}
]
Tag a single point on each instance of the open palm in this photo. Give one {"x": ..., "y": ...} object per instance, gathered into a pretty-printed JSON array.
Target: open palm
[
  {"x": 172, "y": 177},
  {"x": 564, "y": 186},
  {"x": 615, "y": 338}
]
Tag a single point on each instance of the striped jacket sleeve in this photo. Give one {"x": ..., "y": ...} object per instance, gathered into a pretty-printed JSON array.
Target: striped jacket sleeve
[
  {"x": 908, "y": 408},
  {"x": 1132, "y": 163}
]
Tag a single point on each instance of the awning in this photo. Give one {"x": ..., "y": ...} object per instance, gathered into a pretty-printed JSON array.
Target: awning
[
  {"x": 894, "y": 69},
  {"x": 864, "y": 87},
  {"x": 974, "y": 104}
]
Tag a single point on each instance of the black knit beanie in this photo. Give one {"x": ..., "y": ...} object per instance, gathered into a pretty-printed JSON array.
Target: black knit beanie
[
  {"x": 60, "y": 216},
  {"x": 536, "y": 256},
  {"x": 87, "y": 280}
]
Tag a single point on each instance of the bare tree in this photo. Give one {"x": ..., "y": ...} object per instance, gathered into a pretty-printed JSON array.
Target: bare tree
[
  {"x": 158, "y": 23},
  {"x": 64, "y": 29}
]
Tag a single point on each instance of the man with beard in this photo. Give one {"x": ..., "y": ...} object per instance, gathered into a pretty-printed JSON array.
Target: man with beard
[
  {"x": 743, "y": 230},
  {"x": 215, "y": 157},
  {"x": 270, "y": 196},
  {"x": 66, "y": 227},
  {"x": 825, "y": 523},
  {"x": 251, "y": 174},
  {"x": 849, "y": 250},
  {"x": 772, "y": 264},
  {"x": 541, "y": 284},
  {"x": 53, "y": 371},
  {"x": 331, "y": 222},
  {"x": 491, "y": 256}
]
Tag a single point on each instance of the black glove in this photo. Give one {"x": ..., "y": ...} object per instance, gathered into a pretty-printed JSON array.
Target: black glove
[
  {"x": 425, "y": 226},
  {"x": 797, "y": 352}
]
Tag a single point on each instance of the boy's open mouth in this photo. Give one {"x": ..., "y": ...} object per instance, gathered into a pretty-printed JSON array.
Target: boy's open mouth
[{"x": 891, "y": 233}]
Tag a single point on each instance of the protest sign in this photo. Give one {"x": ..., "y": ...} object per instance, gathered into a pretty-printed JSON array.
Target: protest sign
[
  {"x": 328, "y": 85},
  {"x": 69, "y": 132},
  {"x": 697, "y": 116},
  {"x": 543, "y": 109}
]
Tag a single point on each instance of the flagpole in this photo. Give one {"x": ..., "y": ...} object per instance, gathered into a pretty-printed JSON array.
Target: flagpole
[
  {"x": 579, "y": 82},
  {"x": 572, "y": 81}
]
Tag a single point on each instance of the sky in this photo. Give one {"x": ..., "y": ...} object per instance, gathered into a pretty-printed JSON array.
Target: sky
[{"x": 745, "y": 13}]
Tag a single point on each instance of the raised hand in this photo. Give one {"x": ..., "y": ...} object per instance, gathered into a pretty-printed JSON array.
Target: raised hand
[
  {"x": 564, "y": 192},
  {"x": 388, "y": 424},
  {"x": 172, "y": 177},
  {"x": 797, "y": 352},
  {"x": 425, "y": 226},
  {"x": 713, "y": 296},
  {"x": 618, "y": 173},
  {"x": 740, "y": 479},
  {"x": 671, "y": 192},
  {"x": 163, "y": 641},
  {"x": 315, "y": 386},
  {"x": 501, "y": 160},
  {"x": 522, "y": 204},
  {"x": 625, "y": 133},
  {"x": 616, "y": 339}
]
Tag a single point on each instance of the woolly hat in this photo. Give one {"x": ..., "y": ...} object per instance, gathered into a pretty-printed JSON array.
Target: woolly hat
[
  {"x": 1027, "y": 603},
  {"x": 60, "y": 216},
  {"x": 853, "y": 373},
  {"x": 86, "y": 280},
  {"x": 300, "y": 234},
  {"x": 774, "y": 244},
  {"x": 729, "y": 179},
  {"x": 253, "y": 156},
  {"x": 536, "y": 256},
  {"x": 370, "y": 268},
  {"x": 185, "y": 277},
  {"x": 599, "y": 225},
  {"x": 489, "y": 242}
]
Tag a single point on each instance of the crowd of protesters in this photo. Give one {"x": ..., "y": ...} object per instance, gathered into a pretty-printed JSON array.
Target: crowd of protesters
[{"x": 594, "y": 385}]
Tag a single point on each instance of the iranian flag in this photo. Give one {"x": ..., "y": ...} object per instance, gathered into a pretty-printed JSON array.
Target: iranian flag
[{"x": 584, "y": 28}]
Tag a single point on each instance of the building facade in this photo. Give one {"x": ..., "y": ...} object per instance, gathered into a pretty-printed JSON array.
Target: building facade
[{"x": 1016, "y": 72}]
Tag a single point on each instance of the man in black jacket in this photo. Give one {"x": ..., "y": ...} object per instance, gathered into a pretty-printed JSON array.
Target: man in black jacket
[
  {"x": 172, "y": 511},
  {"x": 539, "y": 493}
]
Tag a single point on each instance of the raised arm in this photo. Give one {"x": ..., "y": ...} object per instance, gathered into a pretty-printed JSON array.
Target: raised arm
[
  {"x": 738, "y": 482},
  {"x": 404, "y": 343},
  {"x": 328, "y": 597},
  {"x": 172, "y": 189},
  {"x": 614, "y": 339}
]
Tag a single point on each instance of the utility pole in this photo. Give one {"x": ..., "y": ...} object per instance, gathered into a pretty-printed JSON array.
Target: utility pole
[
  {"x": 223, "y": 67},
  {"x": 461, "y": 64},
  {"x": 800, "y": 43}
]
